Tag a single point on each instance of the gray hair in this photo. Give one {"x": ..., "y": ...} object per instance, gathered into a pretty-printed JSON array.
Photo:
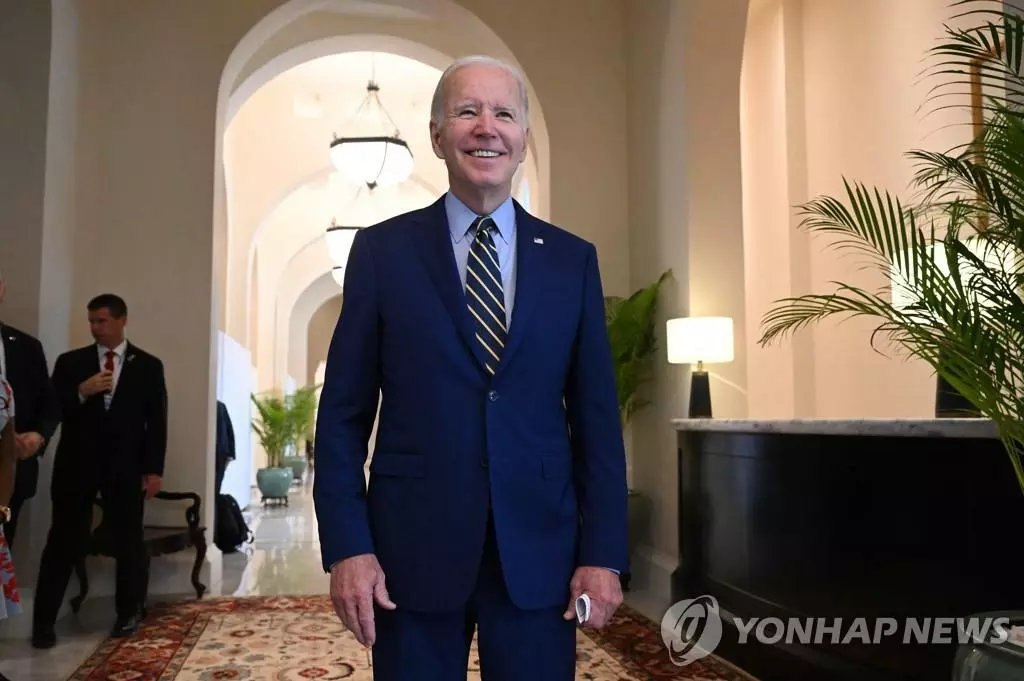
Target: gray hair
[{"x": 437, "y": 104}]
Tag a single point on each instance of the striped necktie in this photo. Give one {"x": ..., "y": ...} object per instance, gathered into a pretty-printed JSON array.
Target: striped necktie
[{"x": 484, "y": 293}]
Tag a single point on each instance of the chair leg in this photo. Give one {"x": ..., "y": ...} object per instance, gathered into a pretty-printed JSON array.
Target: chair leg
[{"x": 199, "y": 541}]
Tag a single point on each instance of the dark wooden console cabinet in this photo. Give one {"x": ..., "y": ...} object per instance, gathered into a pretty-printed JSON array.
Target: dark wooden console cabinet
[{"x": 835, "y": 519}]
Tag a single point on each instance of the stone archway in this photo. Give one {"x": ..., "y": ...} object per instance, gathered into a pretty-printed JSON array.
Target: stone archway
[{"x": 271, "y": 47}]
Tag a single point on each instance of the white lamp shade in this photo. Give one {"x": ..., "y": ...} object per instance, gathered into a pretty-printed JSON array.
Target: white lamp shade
[
  {"x": 699, "y": 339},
  {"x": 338, "y": 273},
  {"x": 339, "y": 243},
  {"x": 372, "y": 161}
]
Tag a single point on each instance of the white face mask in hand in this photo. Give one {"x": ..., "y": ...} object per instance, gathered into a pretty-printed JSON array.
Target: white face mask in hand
[{"x": 582, "y": 609}]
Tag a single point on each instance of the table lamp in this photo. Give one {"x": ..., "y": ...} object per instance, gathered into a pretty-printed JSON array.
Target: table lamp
[{"x": 700, "y": 341}]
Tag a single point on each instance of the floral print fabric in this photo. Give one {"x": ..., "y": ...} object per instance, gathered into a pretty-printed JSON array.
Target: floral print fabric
[{"x": 10, "y": 604}]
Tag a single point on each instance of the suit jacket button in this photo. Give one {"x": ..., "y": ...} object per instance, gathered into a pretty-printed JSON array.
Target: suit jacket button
[{"x": 493, "y": 395}]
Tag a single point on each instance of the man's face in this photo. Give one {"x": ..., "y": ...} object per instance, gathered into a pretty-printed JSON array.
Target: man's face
[
  {"x": 106, "y": 329},
  {"x": 483, "y": 132}
]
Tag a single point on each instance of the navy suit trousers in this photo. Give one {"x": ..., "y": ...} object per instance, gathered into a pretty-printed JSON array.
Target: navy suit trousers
[{"x": 513, "y": 644}]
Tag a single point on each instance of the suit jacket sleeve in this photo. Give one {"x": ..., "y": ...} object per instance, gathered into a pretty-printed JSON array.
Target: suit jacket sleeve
[
  {"x": 155, "y": 445},
  {"x": 47, "y": 410},
  {"x": 65, "y": 384},
  {"x": 594, "y": 424},
  {"x": 348, "y": 407}
]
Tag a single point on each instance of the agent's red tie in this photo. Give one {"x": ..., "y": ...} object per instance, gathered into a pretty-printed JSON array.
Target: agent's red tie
[{"x": 109, "y": 366}]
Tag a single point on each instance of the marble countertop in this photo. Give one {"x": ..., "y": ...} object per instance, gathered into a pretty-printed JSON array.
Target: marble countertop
[{"x": 967, "y": 428}]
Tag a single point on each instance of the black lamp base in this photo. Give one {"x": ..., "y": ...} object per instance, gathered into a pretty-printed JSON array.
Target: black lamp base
[
  {"x": 949, "y": 403},
  {"x": 700, "y": 395}
]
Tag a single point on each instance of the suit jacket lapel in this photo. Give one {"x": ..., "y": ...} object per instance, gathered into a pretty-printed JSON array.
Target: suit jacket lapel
[
  {"x": 531, "y": 258},
  {"x": 435, "y": 245}
]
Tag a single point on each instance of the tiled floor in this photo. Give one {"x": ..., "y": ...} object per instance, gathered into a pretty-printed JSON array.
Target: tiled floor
[{"x": 284, "y": 559}]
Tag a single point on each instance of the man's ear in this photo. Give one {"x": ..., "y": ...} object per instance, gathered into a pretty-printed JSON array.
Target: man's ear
[
  {"x": 526, "y": 146},
  {"x": 435, "y": 140}
]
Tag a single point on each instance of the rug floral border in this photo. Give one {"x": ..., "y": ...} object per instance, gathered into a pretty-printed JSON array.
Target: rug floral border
[{"x": 172, "y": 630}]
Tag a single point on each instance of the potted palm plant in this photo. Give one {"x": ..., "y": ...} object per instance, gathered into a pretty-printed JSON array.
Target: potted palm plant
[
  {"x": 953, "y": 252},
  {"x": 631, "y": 334},
  {"x": 274, "y": 429},
  {"x": 283, "y": 423},
  {"x": 301, "y": 412}
]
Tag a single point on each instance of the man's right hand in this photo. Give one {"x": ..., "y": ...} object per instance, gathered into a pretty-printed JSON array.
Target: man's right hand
[
  {"x": 97, "y": 383},
  {"x": 356, "y": 583}
]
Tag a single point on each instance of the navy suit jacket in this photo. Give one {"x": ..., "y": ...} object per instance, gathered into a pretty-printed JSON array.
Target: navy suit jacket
[{"x": 538, "y": 445}]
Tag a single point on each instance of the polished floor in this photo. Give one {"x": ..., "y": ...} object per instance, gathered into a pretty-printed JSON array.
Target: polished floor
[{"x": 284, "y": 558}]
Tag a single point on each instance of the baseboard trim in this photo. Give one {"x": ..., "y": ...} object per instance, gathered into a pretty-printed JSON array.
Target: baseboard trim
[{"x": 651, "y": 571}]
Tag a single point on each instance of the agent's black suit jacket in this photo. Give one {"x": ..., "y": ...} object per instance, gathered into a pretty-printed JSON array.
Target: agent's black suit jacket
[
  {"x": 34, "y": 397},
  {"x": 116, "y": 445}
]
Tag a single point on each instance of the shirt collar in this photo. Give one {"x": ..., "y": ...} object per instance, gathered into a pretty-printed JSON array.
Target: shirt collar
[
  {"x": 119, "y": 350},
  {"x": 460, "y": 218}
]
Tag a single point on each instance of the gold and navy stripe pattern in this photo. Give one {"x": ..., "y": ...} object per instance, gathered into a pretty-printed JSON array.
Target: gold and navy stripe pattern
[{"x": 485, "y": 294}]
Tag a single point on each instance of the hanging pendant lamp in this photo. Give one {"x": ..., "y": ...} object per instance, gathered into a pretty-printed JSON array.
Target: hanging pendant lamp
[
  {"x": 339, "y": 244},
  {"x": 378, "y": 156}
]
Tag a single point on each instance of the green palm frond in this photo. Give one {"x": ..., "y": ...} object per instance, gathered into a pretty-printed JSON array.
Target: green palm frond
[{"x": 955, "y": 252}]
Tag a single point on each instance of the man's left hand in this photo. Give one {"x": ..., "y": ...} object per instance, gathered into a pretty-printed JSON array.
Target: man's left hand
[
  {"x": 27, "y": 444},
  {"x": 150, "y": 485},
  {"x": 605, "y": 592}
]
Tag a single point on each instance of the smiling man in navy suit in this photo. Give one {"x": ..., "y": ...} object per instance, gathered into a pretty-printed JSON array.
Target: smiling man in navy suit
[{"x": 497, "y": 490}]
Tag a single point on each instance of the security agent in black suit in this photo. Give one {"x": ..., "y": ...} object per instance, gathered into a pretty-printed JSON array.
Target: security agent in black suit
[
  {"x": 113, "y": 441},
  {"x": 23, "y": 362}
]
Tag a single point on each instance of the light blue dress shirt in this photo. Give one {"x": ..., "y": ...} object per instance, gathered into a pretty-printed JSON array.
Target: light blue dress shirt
[{"x": 460, "y": 218}]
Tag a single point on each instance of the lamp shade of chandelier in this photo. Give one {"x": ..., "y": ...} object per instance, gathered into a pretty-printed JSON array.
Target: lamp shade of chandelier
[
  {"x": 378, "y": 157},
  {"x": 339, "y": 244}
]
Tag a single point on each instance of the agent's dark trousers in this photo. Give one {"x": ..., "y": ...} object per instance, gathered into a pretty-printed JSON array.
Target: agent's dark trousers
[
  {"x": 68, "y": 539},
  {"x": 514, "y": 645}
]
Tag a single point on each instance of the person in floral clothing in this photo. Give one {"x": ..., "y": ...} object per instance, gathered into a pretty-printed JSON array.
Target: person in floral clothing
[{"x": 10, "y": 602}]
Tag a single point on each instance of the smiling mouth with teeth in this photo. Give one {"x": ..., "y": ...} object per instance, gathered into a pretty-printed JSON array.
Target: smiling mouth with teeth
[{"x": 483, "y": 153}]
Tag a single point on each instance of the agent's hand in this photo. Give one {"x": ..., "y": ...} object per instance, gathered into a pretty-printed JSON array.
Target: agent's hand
[
  {"x": 28, "y": 444},
  {"x": 356, "y": 583},
  {"x": 604, "y": 589},
  {"x": 151, "y": 485},
  {"x": 97, "y": 383}
]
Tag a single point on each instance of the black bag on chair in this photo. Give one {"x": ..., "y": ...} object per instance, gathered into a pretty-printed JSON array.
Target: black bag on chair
[{"x": 230, "y": 529}]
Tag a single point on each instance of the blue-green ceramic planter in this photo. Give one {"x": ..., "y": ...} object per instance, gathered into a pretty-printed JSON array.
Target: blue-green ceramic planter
[
  {"x": 297, "y": 464},
  {"x": 274, "y": 483}
]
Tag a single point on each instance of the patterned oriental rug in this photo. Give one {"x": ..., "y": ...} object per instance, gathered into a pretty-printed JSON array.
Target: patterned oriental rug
[{"x": 297, "y": 638}]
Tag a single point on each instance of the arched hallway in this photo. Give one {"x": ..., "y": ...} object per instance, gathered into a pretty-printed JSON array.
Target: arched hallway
[{"x": 180, "y": 154}]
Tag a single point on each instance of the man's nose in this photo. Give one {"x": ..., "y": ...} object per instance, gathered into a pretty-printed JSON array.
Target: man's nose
[{"x": 485, "y": 124}]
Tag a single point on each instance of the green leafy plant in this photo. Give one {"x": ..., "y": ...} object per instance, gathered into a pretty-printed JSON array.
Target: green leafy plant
[
  {"x": 631, "y": 333},
  {"x": 954, "y": 251},
  {"x": 284, "y": 422}
]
